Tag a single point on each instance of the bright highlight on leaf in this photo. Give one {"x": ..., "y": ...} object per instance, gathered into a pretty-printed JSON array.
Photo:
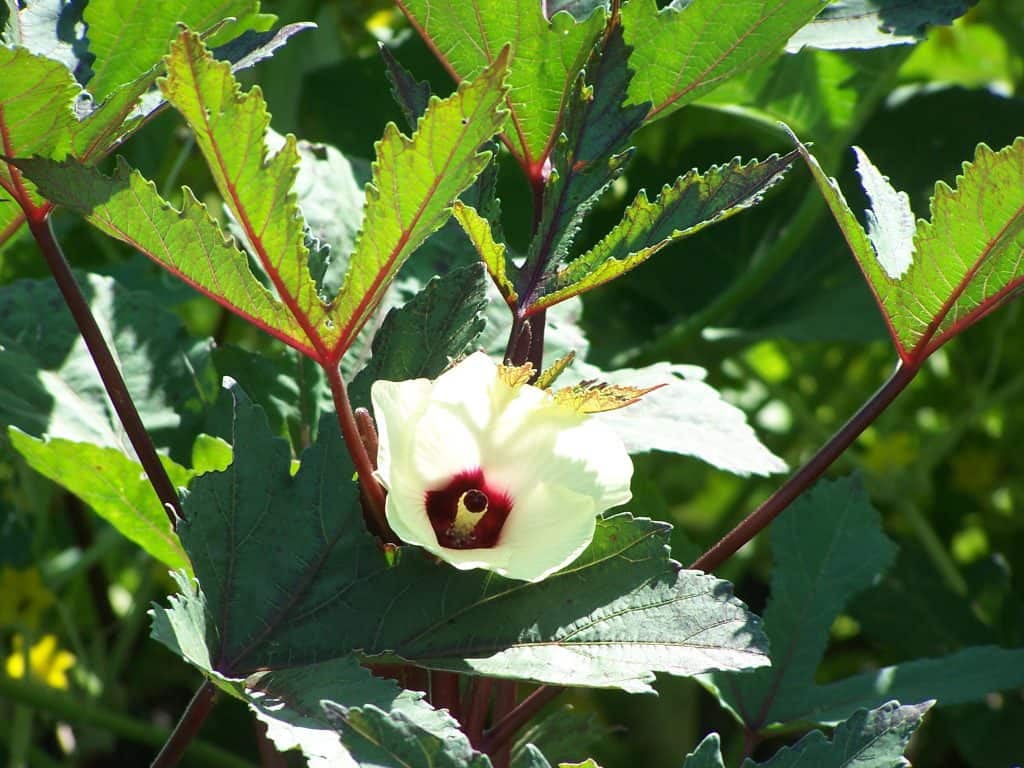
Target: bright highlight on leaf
[
  {"x": 544, "y": 59},
  {"x": 959, "y": 266},
  {"x": 598, "y": 396},
  {"x": 486, "y": 471}
]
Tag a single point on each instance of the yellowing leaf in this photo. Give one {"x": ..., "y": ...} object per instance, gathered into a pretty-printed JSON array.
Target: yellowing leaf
[
  {"x": 492, "y": 253},
  {"x": 596, "y": 397}
]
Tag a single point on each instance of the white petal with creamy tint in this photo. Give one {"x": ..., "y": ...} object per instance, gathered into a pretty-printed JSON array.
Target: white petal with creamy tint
[{"x": 484, "y": 474}]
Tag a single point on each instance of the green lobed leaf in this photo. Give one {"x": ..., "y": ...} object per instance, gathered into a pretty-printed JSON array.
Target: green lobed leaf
[
  {"x": 689, "y": 48},
  {"x": 876, "y": 23},
  {"x": 875, "y": 739},
  {"x": 708, "y": 754},
  {"x": 187, "y": 242},
  {"x": 491, "y": 252},
  {"x": 411, "y": 95},
  {"x": 37, "y": 96},
  {"x": 827, "y": 547},
  {"x": 964, "y": 262},
  {"x": 694, "y": 202},
  {"x": 420, "y": 339},
  {"x": 331, "y": 590},
  {"x": 128, "y": 37},
  {"x": 545, "y": 57},
  {"x": 394, "y": 739},
  {"x": 230, "y": 129},
  {"x": 530, "y": 757},
  {"x": 590, "y": 153},
  {"x": 413, "y": 185},
  {"x": 114, "y": 486}
]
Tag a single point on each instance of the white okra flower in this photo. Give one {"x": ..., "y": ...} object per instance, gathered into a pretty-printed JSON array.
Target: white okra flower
[{"x": 486, "y": 472}]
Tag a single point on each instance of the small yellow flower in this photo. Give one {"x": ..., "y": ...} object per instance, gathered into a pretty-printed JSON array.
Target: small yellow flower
[
  {"x": 488, "y": 472},
  {"x": 47, "y": 663},
  {"x": 23, "y": 597}
]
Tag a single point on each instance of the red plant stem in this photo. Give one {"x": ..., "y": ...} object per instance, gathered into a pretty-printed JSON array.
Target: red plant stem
[
  {"x": 478, "y": 703},
  {"x": 500, "y": 735},
  {"x": 372, "y": 491},
  {"x": 187, "y": 728},
  {"x": 444, "y": 692},
  {"x": 504, "y": 703},
  {"x": 759, "y": 519},
  {"x": 113, "y": 382},
  {"x": 368, "y": 434}
]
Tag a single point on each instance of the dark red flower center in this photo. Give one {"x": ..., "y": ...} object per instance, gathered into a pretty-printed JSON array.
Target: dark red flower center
[{"x": 467, "y": 513}]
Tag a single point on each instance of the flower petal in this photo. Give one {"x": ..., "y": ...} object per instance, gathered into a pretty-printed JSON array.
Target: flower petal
[{"x": 396, "y": 405}]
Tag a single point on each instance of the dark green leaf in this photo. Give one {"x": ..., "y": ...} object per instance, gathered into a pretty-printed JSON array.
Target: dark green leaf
[
  {"x": 827, "y": 547},
  {"x": 419, "y": 340},
  {"x": 411, "y": 95},
  {"x": 332, "y": 592},
  {"x": 564, "y": 734},
  {"x": 708, "y": 754},
  {"x": 55, "y": 388},
  {"x": 396, "y": 741},
  {"x": 874, "y": 739}
]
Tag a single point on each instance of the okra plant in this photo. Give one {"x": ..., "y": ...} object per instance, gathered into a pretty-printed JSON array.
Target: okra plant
[{"x": 409, "y": 501}]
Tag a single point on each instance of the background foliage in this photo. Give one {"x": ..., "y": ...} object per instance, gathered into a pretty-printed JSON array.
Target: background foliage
[{"x": 770, "y": 303}]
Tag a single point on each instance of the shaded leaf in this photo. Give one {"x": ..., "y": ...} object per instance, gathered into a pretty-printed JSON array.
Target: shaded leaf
[
  {"x": 544, "y": 60},
  {"x": 695, "y": 201},
  {"x": 394, "y": 739},
  {"x": 874, "y": 739},
  {"x": 875, "y": 23},
  {"x": 688, "y": 48},
  {"x": 333, "y": 591},
  {"x": 827, "y": 547},
  {"x": 966, "y": 260},
  {"x": 562, "y": 733},
  {"x": 708, "y": 754},
  {"x": 411, "y": 95},
  {"x": 530, "y": 757},
  {"x": 964, "y": 676},
  {"x": 420, "y": 339},
  {"x": 115, "y": 487},
  {"x": 48, "y": 381},
  {"x": 289, "y": 701}
]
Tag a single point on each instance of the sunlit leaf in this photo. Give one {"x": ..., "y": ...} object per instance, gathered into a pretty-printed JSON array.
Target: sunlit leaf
[
  {"x": 688, "y": 48},
  {"x": 544, "y": 60},
  {"x": 115, "y": 487},
  {"x": 966, "y": 261}
]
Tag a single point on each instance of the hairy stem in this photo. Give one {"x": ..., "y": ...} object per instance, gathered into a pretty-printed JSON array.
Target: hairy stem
[
  {"x": 501, "y": 734},
  {"x": 188, "y": 726},
  {"x": 373, "y": 494},
  {"x": 759, "y": 519},
  {"x": 40, "y": 225}
]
